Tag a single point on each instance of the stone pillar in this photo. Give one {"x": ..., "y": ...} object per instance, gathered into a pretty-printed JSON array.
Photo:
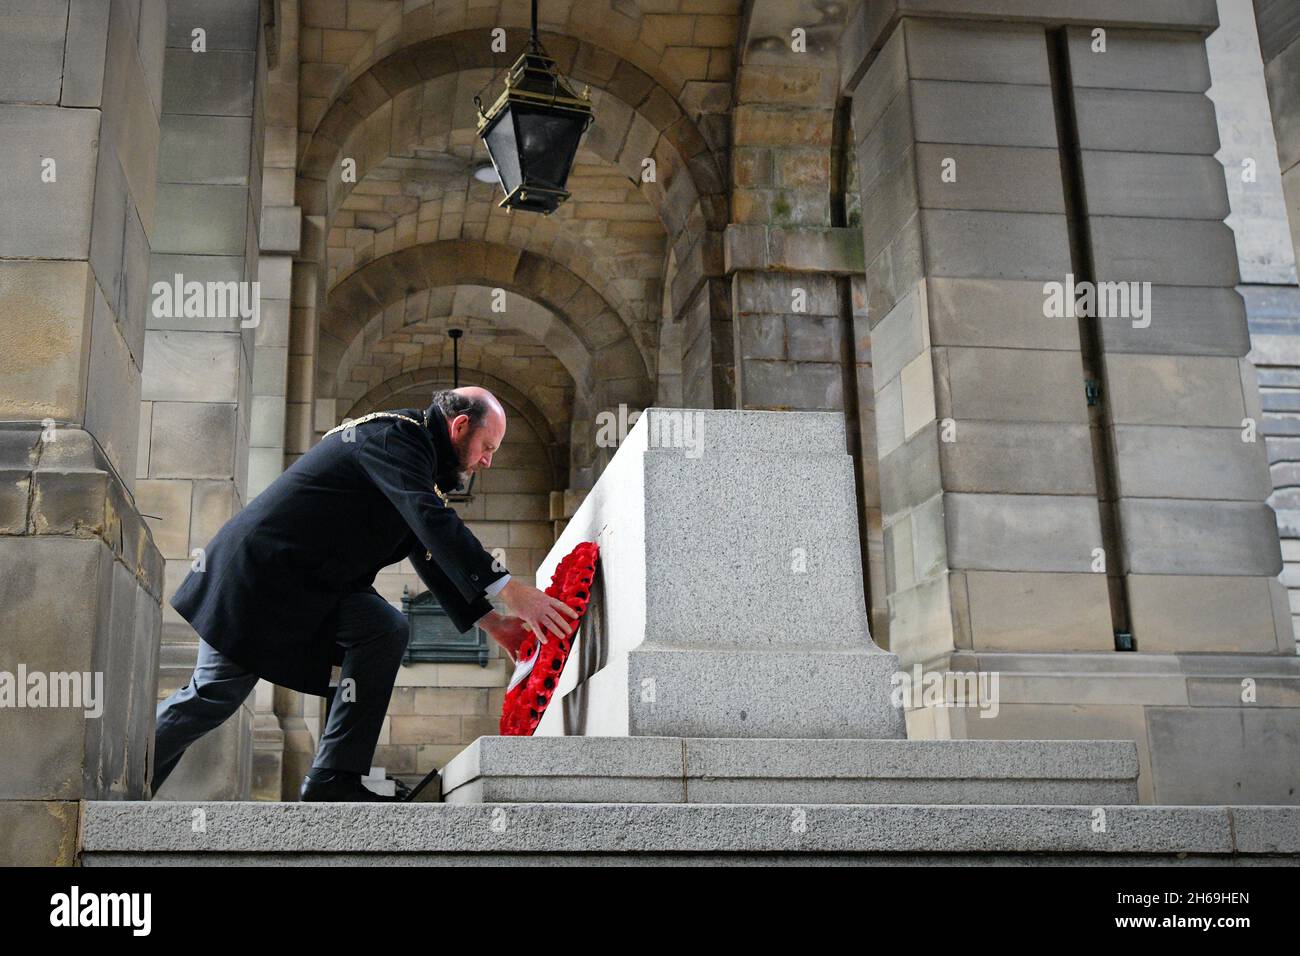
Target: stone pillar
[
  {"x": 988, "y": 496},
  {"x": 193, "y": 462},
  {"x": 80, "y": 576},
  {"x": 1199, "y": 546},
  {"x": 999, "y": 155}
]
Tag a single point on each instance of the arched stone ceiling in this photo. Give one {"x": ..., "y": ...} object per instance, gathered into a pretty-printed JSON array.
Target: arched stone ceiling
[
  {"x": 573, "y": 321},
  {"x": 510, "y": 355}
]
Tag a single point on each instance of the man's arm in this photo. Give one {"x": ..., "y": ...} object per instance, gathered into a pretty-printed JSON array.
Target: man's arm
[{"x": 401, "y": 465}]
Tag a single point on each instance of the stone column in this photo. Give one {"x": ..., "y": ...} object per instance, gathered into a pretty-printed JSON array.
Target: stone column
[
  {"x": 1033, "y": 527},
  {"x": 1199, "y": 546},
  {"x": 193, "y": 462},
  {"x": 988, "y": 496},
  {"x": 80, "y": 576}
]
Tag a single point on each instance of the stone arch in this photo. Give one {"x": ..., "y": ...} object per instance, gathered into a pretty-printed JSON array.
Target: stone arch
[{"x": 586, "y": 319}]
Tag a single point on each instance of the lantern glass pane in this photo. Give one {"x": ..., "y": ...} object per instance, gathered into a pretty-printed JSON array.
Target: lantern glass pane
[
  {"x": 503, "y": 148},
  {"x": 548, "y": 141}
]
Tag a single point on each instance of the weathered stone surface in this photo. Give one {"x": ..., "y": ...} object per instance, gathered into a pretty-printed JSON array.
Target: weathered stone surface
[
  {"x": 996, "y": 245},
  {"x": 31, "y": 50},
  {"x": 1163, "y": 536},
  {"x": 192, "y": 440},
  {"x": 976, "y": 52},
  {"x": 1022, "y": 532},
  {"x": 191, "y": 367},
  {"x": 1167, "y": 462},
  {"x": 1154, "y": 185},
  {"x": 38, "y": 832},
  {"x": 44, "y": 337},
  {"x": 1010, "y": 385},
  {"x": 1182, "y": 613},
  {"x": 1018, "y": 458},
  {"x": 47, "y": 219},
  {"x": 1246, "y": 742},
  {"x": 1139, "y": 121},
  {"x": 1175, "y": 390},
  {"x": 1139, "y": 60},
  {"x": 1038, "y": 612}
]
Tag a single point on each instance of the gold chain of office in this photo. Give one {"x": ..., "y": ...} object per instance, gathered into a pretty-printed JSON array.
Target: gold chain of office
[{"x": 373, "y": 415}]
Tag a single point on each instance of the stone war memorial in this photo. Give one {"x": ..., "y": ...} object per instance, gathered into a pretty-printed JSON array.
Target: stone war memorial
[{"x": 925, "y": 372}]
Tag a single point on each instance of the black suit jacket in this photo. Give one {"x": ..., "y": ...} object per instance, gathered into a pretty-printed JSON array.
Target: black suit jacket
[{"x": 357, "y": 502}]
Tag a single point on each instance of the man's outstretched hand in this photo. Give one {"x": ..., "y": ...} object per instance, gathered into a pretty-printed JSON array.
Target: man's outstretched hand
[
  {"x": 509, "y": 632},
  {"x": 538, "y": 611}
]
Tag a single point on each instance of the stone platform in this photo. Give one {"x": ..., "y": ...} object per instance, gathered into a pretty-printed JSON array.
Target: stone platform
[
  {"x": 163, "y": 833},
  {"x": 811, "y": 771}
]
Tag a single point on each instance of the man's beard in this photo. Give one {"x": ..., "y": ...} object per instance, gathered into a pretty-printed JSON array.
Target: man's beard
[{"x": 463, "y": 473}]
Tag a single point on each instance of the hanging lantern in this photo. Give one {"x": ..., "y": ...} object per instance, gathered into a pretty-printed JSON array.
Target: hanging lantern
[{"x": 533, "y": 129}]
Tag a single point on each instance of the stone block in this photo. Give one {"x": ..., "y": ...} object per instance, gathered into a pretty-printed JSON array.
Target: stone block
[
  {"x": 44, "y": 338},
  {"x": 1164, "y": 536},
  {"x": 918, "y": 389},
  {"x": 191, "y": 367},
  {"x": 39, "y": 832},
  {"x": 988, "y": 114},
  {"x": 47, "y": 220},
  {"x": 996, "y": 245},
  {"x": 989, "y": 457},
  {"x": 215, "y": 83},
  {"x": 206, "y": 220},
  {"x": 976, "y": 52},
  {"x": 230, "y": 26},
  {"x": 1189, "y": 614},
  {"x": 192, "y": 440},
  {"x": 992, "y": 178},
  {"x": 84, "y": 53},
  {"x": 214, "y": 503},
  {"x": 1139, "y": 60},
  {"x": 1169, "y": 462},
  {"x": 1154, "y": 185},
  {"x": 1138, "y": 121},
  {"x": 1010, "y": 385},
  {"x": 1004, "y": 313},
  {"x": 761, "y": 693},
  {"x": 900, "y": 336},
  {"x": 1184, "y": 252},
  {"x": 112, "y": 391},
  {"x": 211, "y": 150},
  {"x": 43, "y": 748},
  {"x": 166, "y": 506},
  {"x": 1174, "y": 390},
  {"x": 1247, "y": 743},
  {"x": 1186, "y": 320},
  {"x": 31, "y": 51},
  {"x": 1037, "y": 612},
  {"x": 1022, "y": 532},
  {"x": 910, "y": 473}
]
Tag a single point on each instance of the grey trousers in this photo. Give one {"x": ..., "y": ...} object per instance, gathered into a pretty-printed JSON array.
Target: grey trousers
[{"x": 373, "y": 634}]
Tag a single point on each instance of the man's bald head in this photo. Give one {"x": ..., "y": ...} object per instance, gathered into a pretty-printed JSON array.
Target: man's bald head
[{"x": 476, "y": 422}]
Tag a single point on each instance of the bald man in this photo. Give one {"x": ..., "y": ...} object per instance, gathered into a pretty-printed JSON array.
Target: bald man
[{"x": 285, "y": 590}]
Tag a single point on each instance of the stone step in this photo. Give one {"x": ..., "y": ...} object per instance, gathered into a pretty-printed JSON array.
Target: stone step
[
  {"x": 780, "y": 770},
  {"x": 215, "y": 834}
]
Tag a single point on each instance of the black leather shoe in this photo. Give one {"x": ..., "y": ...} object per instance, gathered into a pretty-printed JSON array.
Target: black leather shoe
[{"x": 338, "y": 788}]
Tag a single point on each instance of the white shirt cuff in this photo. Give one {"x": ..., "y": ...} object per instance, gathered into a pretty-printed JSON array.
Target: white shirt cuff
[{"x": 492, "y": 589}]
